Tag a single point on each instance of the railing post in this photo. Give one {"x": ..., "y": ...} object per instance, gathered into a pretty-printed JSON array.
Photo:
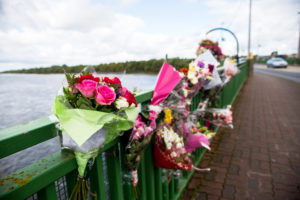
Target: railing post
[
  {"x": 114, "y": 173},
  {"x": 48, "y": 192},
  {"x": 149, "y": 173},
  {"x": 250, "y": 67},
  {"x": 97, "y": 178}
]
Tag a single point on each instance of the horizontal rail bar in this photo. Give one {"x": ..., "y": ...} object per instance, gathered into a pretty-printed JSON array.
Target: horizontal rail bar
[{"x": 26, "y": 135}]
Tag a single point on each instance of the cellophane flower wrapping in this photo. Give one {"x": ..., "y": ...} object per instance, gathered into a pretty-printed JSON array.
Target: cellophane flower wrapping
[
  {"x": 139, "y": 139},
  {"x": 230, "y": 69},
  {"x": 198, "y": 136},
  {"x": 169, "y": 150},
  {"x": 92, "y": 112},
  {"x": 217, "y": 116},
  {"x": 143, "y": 128}
]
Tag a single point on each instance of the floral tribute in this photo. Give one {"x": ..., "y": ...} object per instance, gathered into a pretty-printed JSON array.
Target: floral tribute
[
  {"x": 144, "y": 127},
  {"x": 181, "y": 133},
  {"x": 169, "y": 150},
  {"x": 92, "y": 111},
  {"x": 212, "y": 46}
]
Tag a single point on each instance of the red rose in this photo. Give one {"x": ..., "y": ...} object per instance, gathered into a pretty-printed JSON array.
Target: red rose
[
  {"x": 88, "y": 77},
  {"x": 115, "y": 80},
  {"x": 129, "y": 97}
]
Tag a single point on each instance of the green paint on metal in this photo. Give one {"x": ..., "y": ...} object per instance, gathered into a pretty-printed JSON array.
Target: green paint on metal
[
  {"x": 97, "y": 178},
  {"x": 20, "y": 137},
  {"x": 48, "y": 192},
  {"x": 142, "y": 179},
  {"x": 150, "y": 172},
  {"x": 158, "y": 183},
  {"x": 33, "y": 178},
  {"x": 114, "y": 173}
]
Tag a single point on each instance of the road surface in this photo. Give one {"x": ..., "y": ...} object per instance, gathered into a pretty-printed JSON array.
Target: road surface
[{"x": 290, "y": 73}]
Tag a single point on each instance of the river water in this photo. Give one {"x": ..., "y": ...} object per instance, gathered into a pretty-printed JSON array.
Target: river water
[{"x": 27, "y": 97}]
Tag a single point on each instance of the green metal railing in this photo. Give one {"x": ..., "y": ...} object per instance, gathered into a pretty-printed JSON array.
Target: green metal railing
[{"x": 54, "y": 176}]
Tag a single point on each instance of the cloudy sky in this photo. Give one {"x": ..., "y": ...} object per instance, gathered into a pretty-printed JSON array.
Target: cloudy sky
[{"x": 41, "y": 33}]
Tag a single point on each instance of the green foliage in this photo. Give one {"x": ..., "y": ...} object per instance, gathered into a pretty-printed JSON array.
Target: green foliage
[
  {"x": 84, "y": 103},
  {"x": 72, "y": 98},
  {"x": 150, "y": 66}
]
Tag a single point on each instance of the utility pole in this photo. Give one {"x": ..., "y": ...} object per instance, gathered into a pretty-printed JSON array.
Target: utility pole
[
  {"x": 250, "y": 56},
  {"x": 299, "y": 37},
  {"x": 249, "y": 29}
]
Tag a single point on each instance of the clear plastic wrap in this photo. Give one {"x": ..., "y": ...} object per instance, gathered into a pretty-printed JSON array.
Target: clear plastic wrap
[
  {"x": 95, "y": 141},
  {"x": 217, "y": 116}
]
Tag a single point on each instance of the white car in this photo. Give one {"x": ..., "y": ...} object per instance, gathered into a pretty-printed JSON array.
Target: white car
[{"x": 277, "y": 62}]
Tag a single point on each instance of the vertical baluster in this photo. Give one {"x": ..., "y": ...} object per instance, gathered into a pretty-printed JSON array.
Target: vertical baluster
[
  {"x": 126, "y": 173},
  {"x": 97, "y": 178},
  {"x": 142, "y": 179},
  {"x": 114, "y": 173},
  {"x": 150, "y": 173},
  {"x": 158, "y": 184},
  {"x": 171, "y": 188},
  {"x": 165, "y": 185},
  {"x": 176, "y": 182},
  {"x": 71, "y": 179},
  {"x": 48, "y": 192},
  {"x": 184, "y": 174}
]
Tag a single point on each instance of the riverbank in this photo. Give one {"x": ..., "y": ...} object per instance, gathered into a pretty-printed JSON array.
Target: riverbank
[{"x": 130, "y": 67}]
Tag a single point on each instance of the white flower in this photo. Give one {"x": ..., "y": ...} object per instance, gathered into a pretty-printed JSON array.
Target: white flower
[
  {"x": 185, "y": 92},
  {"x": 156, "y": 109},
  {"x": 121, "y": 102},
  {"x": 179, "y": 145},
  {"x": 173, "y": 154},
  {"x": 181, "y": 74},
  {"x": 169, "y": 145},
  {"x": 194, "y": 80}
]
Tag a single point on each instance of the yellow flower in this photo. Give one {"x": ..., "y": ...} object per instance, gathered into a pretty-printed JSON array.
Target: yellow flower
[
  {"x": 168, "y": 116},
  {"x": 198, "y": 125}
]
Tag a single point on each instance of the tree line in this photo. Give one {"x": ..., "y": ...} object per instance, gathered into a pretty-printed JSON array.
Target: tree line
[{"x": 149, "y": 66}]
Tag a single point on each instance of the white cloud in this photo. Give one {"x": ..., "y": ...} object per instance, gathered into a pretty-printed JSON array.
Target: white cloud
[
  {"x": 128, "y": 2},
  {"x": 38, "y": 33},
  {"x": 43, "y": 33},
  {"x": 274, "y": 24}
]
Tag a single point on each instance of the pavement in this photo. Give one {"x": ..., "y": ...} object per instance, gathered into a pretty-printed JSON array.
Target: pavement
[
  {"x": 290, "y": 73},
  {"x": 260, "y": 157}
]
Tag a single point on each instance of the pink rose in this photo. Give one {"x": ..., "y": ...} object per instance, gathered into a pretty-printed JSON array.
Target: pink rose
[
  {"x": 87, "y": 87},
  {"x": 105, "y": 95}
]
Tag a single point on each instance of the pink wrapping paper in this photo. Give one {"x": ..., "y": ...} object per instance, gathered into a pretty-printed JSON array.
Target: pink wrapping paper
[
  {"x": 196, "y": 140},
  {"x": 167, "y": 79}
]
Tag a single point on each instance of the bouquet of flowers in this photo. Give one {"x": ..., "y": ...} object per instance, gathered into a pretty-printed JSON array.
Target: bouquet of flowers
[
  {"x": 230, "y": 69},
  {"x": 202, "y": 73},
  {"x": 169, "y": 150},
  {"x": 209, "y": 45},
  {"x": 141, "y": 134},
  {"x": 217, "y": 116},
  {"x": 92, "y": 111},
  {"x": 211, "y": 92}
]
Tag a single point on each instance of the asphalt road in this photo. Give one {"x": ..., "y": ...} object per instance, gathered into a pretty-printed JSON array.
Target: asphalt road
[{"x": 293, "y": 75}]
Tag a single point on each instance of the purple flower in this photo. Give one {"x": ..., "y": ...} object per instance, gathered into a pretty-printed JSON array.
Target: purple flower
[{"x": 200, "y": 64}]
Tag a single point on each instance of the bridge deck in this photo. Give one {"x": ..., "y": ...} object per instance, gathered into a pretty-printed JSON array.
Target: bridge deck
[{"x": 260, "y": 157}]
